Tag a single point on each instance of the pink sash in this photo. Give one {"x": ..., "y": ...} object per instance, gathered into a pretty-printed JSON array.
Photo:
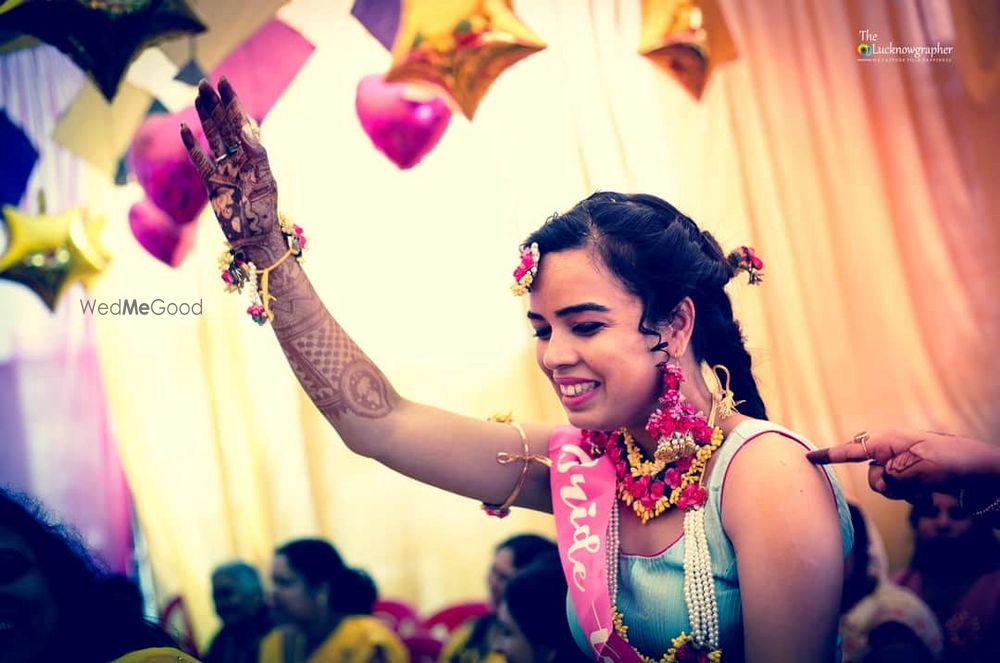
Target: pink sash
[{"x": 583, "y": 494}]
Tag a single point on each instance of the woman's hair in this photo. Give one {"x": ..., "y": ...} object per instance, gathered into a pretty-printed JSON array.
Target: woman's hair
[
  {"x": 860, "y": 583},
  {"x": 536, "y": 600},
  {"x": 352, "y": 591},
  {"x": 525, "y": 548},
  {"x": 92, "y": 619},
  {"x": 661, "y": 256}
]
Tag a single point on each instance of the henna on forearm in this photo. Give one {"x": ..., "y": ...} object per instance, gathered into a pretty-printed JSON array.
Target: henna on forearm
[
  {"x": 335, "y": 373},
  {"x": 332, "y": 369}
]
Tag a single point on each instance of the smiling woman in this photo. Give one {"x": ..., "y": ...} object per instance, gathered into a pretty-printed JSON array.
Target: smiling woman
[{"x": 634, "y": 328}]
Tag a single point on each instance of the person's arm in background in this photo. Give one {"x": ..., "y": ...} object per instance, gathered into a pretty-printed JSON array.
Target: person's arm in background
[{"x": 906, "y": 464}]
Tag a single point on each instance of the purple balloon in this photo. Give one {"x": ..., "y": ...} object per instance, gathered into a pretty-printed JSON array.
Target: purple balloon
[
  {"x": 165, "y": 240},
  {"x": 161, "y": 164},
  {"x": 403, "y": 120}
]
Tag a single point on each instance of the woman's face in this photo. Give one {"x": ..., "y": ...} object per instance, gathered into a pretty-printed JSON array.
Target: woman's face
[
  {"x": 511, "y": 642},
  {"x": 501, "y": 570},
  {"x": 589, "y": 344},
  {"x": 28, "y": 614},
  {"x": 942, "y": 518},
  {"x": 294, "y": 600}
]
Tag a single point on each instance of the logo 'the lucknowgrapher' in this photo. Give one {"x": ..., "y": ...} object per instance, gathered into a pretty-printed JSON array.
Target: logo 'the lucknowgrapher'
[{"x": 870, "y": 49}]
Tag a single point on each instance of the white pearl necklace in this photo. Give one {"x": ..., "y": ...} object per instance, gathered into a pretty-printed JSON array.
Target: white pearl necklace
[{"x": 699, "y": 583}]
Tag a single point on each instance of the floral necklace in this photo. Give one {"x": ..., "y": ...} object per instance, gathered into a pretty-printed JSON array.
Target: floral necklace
[{"x": 686, "y": 442}]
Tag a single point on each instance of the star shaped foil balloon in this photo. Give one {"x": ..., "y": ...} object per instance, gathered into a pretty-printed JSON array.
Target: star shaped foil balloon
[
  {"x": 460, "y": 46},
  {"x": 102, "y": 37},
  {"x": 688, "y": 38},
  {"x": 48, "y": 253}
]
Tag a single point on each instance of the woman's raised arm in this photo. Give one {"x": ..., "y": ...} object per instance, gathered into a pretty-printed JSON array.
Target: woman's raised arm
[{"x": 447, "y": 450}]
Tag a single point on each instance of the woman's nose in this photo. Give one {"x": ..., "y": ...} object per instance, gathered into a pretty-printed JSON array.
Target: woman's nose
[{"x": 559, "y": 352}]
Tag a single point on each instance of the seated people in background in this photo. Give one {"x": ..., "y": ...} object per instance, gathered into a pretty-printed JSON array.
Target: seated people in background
[
  {"x": 324, "y": 608},
  {"x": 533, "y": 626},
  {"x": 56, "y": 604},
  {"x": 956, "y": 571},
  {"x": 881, "y": 622},
  {"x": 908, "y": 464},
  {"x": 246, "y": 619},
  {"x": 472, "y": 642}
]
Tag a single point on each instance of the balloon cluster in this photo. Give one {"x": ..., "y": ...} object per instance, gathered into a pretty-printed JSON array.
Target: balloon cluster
[
  {"x": 444, "y": 54},
  {"x": 175, "y": 195}
]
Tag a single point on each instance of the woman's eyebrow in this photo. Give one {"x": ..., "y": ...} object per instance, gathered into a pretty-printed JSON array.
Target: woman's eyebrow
[{"x": 570, "y": 310}]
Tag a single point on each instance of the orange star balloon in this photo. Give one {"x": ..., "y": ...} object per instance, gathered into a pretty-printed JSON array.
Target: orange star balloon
[
  {"x": 461, "y": 46},
  {"x": 48, "y": 253},
  {"x": 688, "y": 38}
]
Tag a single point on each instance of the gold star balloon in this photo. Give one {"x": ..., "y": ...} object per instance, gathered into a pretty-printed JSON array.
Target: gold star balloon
[
  {"x": 460, "y": 46},
  {"x": 48, "y": 253},
  {"x": 688, "y": 38}
]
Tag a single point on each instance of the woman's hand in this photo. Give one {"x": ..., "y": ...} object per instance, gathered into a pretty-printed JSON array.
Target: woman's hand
[{"x": 237, "y": 175}]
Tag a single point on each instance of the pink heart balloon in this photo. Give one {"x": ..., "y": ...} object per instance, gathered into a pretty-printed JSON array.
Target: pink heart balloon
[
  {"x": 161, "y": 164},
  {"x": 403, "y": 120},
  {"x": 165, "y": 240}
]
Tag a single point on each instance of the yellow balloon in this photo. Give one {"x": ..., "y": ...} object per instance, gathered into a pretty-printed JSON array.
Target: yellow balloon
[
  {"x": 48, "y": 253},
  {"x": 460, "y": 46},
  {"x": 688, "y": 38}
]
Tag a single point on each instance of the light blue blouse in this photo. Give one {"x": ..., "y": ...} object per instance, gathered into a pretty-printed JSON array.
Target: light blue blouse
[{"x": 651, "y": 589}]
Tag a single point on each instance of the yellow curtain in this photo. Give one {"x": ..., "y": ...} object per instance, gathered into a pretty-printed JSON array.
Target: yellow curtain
[{"x": 866, "y": 187}]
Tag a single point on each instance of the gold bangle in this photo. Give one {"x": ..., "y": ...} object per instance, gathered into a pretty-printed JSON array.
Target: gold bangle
[{"x": 506, "y": 458}]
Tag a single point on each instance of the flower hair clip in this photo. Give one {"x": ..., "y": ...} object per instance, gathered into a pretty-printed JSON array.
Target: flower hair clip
[
  {"x": 527, "y": 270},
  {"x": 745, "y": 259},
  {"x": 238, "y": 271}
]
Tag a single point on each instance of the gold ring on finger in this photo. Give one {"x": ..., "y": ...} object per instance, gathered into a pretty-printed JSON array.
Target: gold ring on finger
[{"x": 862, "y": 439}]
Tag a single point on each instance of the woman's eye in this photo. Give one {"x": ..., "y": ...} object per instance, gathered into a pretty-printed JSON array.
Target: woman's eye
[
  {"x": 587, "y": 328},
  {"x": 543, "y": 332}
]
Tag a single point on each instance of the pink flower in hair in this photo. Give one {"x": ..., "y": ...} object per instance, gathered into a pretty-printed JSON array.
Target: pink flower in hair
[{"x": 527, "y": 269}]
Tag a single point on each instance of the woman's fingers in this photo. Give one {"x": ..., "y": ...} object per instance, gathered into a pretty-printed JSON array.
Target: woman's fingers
[
  {"x": 844, "y": 453},
  {"x": 198, "y": 157},
  {"x": 876, "y": 478},
  {"x": 207, "y": 104},
  {"x": 243, "y": 126}
]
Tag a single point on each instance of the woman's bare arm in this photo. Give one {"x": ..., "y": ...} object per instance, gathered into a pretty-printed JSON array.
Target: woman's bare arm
[
  {"x": 781, "y": 516},
  {"x": 447, "y": 450}
]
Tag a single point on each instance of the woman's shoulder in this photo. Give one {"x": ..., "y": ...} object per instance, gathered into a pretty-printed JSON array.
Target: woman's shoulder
[
  {"x": 765, "y": 463},
  {"x": 272, "y": 645},
  {"x": 366, "y": 628},
  {"x": 765, "y": 445}
]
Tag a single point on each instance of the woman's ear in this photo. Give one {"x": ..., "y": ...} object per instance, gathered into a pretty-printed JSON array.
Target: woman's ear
[{"x": 677, "y": 331}]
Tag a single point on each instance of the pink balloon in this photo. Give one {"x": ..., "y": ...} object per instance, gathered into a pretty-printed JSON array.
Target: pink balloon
[
  {"x": 165, "y": 240},
  {"x": 404, "y": 121},
  {"x": 161, "y": 164}
]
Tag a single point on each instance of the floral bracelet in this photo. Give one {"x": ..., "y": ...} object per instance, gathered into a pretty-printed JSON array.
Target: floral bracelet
[{"x": 238, "y": 271}]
